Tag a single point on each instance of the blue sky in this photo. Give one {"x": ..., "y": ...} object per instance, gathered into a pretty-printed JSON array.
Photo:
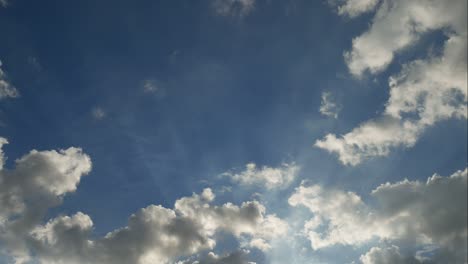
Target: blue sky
[{"x": 167, "y": 98}]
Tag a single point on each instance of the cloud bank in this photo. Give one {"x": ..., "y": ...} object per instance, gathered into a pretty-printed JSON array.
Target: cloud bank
[
  {"x": 154, "y": 234},
  {"x": 430, "y": 213}
]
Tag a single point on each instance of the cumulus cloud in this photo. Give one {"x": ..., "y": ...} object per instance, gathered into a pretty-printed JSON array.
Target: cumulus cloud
[
  {"x": 387, "y": 255},
  {"x": 353, "y": 8},
  {"x": 233, "y": 7},
  {"x": 267, "y": 176},
  {"x": 373, "y": 138},
  {"x": 424, "y": 92},
  {"x": 424, "y": 213},
  {"x": 154, "y": 234},
  {"x": 329, "y": 107},
  {"x": 6, "y": 88},
  {"x": 38, "y": 182}
]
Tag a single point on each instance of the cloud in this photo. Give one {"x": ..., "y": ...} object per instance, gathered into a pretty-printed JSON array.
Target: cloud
[
  {"x": 399, "y": 24},
  {"x": 237, "y": 257},
  {"x": 233, "y": 7},
  {"x": 353, "y": 8},
  {"x": 38, "y": 182},
  {"x": 153, "y": 234},
  {"x": 98, "y": 113},
  {"x": 3, "y": 3},
  {"x": 421, "y": 213},
  {"x": 387, "y": 255},
  {"x": 329, "y": 107},
  {"x": 372, "y": 138},
  {"x": 269, "y": 177},
  {"x": 424, "y": 92},
  {"x": 150, "y": 86},
  {"x": 7, "y": 90}
]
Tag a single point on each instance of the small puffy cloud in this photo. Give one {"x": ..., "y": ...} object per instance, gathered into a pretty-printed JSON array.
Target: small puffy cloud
[
  {"x": 266, "y": 176},
  {"x": 151, "y": 86},
  {"x": 370, "y": 139},
  {"x": 329, "y": 106},
  {"x": 98, "y": 113},
  {"x": 7, "y": 90},
  {"x": 3, "y": 3},
  {"x": 353, "y": 8},
  {"x": 422, "y": 213},
  {"x": 426, "y": 91},
  {"x": 233, "y": 7}
]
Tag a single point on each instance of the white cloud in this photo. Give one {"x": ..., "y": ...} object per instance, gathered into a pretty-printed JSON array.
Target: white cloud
[
  {"x": 424, "y": 92},
  {"x": 6, "y": 88},
  {"x": 153, "y": 235},
  {"x": 399, "y": 24},
  {"x": 353, "y": 8},
  {"x": 421, "y": 213},
  {"x": 38, "y": 182},
  {"x": 372, "y": 138},
  {"x": 233, "y": 7},
  {"x": 329, "y": 107},
  {"x": 271, "y": 178},
  {"x": 386, "y": 255}
]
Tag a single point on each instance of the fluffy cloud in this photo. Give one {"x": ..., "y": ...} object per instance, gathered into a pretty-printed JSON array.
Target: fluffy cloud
[
  {"x": 353, "y": 8},
  {"x": 38, "y": 182},
  {"x": 430, "y": 213},
  {"x": 329, "y": 107},
  {"x": 387, "y": 255},
  {"x": 424, "y": 92},
  {"x": 233, "y": 7},
  {"x": 154, "y": 234},
  {"x": 6, "y": 88},
  {"x": 397, "y": 25},
  {"x": 269, "y": 177},
  {"x": 373, "y": 138}
]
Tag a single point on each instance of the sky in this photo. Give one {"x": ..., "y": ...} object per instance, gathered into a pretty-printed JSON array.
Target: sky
[{"x": 233, "y": 131}]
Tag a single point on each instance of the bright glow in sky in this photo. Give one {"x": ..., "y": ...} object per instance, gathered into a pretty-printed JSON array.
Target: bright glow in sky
[{"x": 233, "y": 132}]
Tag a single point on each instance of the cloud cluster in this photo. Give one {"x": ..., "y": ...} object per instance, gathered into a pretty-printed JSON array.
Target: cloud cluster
[
  {"x": 424, "y": 92},
  {"x": 424, "y": 213},
  {"x": 6, "y": 88},
  {"x": 269, "y": 177},
  {"x": 154, "y": 234}
]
